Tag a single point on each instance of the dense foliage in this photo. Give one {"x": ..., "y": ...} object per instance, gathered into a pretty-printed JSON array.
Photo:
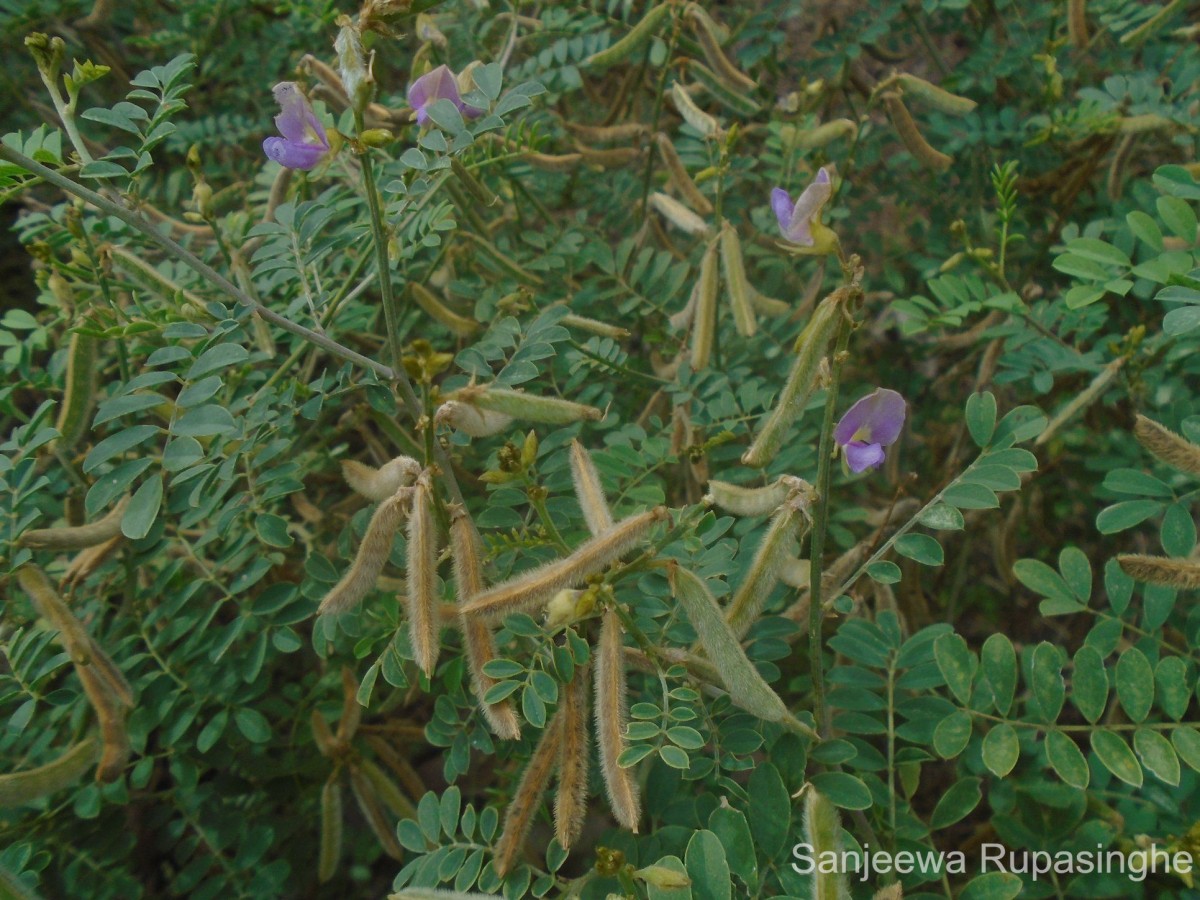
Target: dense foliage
[{"x": 464, "y": 507}]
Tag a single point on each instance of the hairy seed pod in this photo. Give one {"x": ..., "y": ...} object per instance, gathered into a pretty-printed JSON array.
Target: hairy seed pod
[
  {"x": 737, "y": 286},
  {"x": 788, "y": 525},
  {"x": 823, "y": 134},
  {"x": 910, "y": 135},
  {"x": 638, "y": 37},
  {"x": 891, "y": 892},
  {"x": 795, "y": 572},
  {"x": 80, "y": 646},
  {"x": 768, "y": 306},
  {"x": 746, "y": 686},
  {"x": 1082, "y": 400},
  {"x": 733, "y": 100},
  {"x": 704, "y": 328},
  {"x": 433, "y": 305},
  {"x": 474, "y": 186},
  {"x": 331, "y": 829},
  {"x": 591, "y": 326},
  {"x": 1172, "y": 449},
  {"x": 79, "y": 537},
  {"x": 710, "y": 45},
  {"x": 410, "y": 780},
  {"x": 802, "y": 380},
  {"x": 570, "y": 803},
  {"x": 748, "y": 501},
  {"x": 823, "y": 832},
  {"x": 351, "y": 715},
  {"x": 1143, "y": 123},
  {"x": 471, "y": 420},
  {"x": 20, "y": 788},
  {"x": 532, "y": 787},
  {"x": 502, "y": 259},
  {"x": 626, "y": 131},
  {"x": 589, "y": 490},
  {"x": 608, "y": 157},
  {"x": 1077, "y": 29},
  {"x": 678, "y": 214},
  {"x": 679, "y": 175},
  {"x": 552, "y": 162},
  {"x": 106, "y": 688},
  {"x": 327, "y": 745},
  {"x": 529, "y": 407},
  {"x": 372, "y": 810},
  {"x": 683, "y": 318},
  {"x": 148, "y": 275},
  {"x": 1115, "y": 181},
  {"x": 932, "y": 95},
  {"x": 379, "y": 484},
  {"x": 387, "y": 790},
  {"x": 80, "y": 395},
  {"x": 611, "y": 719},
  {"x": 533, "y": 588},
  {"x": 422, "y": 577},
  {"x": 691, "y": 113},
  {"x": 374, "y": 551},
  {"x": 1176, "y": 573},
  {"x": 110, "y": 715},
  {"x": 87, "y": 561},
  {"x": 478, "y": 642}
]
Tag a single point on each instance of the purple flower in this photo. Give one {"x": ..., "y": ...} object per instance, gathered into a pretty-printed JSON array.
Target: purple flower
[
  {"x": 871, "y": 424},
  {"x": 799, "y": 221},
  {"x": 437, "y": 84},
  {"x": 303, "y": 143}
]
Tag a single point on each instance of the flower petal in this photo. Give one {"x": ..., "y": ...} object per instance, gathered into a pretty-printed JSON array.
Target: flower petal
[
  {"x": 808, "y": 208},
  {"x": 781, "y": 203},
  {"x": 293, "y": 154},
  {"x": 877, "y": 417},
  {"x": 296, "y": 120},
  {"x": 436, "y": 84},
  {"x": 861, "y": 456}
]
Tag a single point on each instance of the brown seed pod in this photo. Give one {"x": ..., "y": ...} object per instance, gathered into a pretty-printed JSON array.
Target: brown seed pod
[
  {"x": 589, "y": 490},
  {"x": 534, "y": 781},
  {"x": 910, "y": 135},
  {"x": 570, "y": 803},
  {"x": 1172, "y": 449},
  {"x": 422, "y": 577},
  {"x": 372, "y": 554},
  {"x": 533, "y": 588},
  {"x": 478, "y": 642},
  {"x": 704, "y": 326},
  {"x": 79, "y": 537},
  {"x": 611, "y": 720},
  {"x": 1177, "y": 573}
]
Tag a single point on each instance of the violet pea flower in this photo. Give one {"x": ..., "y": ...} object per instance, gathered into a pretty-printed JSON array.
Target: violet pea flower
[
  {"x": 800, "y": 222},
  {"x": 871, "y": 424},
  {"x": 303, "y": 144},
  {"x": 437, "y": 84}
]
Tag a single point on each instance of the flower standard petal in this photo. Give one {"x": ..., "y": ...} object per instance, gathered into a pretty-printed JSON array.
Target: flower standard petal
[
  {"x": 303, "y": 144},
  {"x": 876, "y": 418},
  {"x": 808, "y": 208},
  {"x": 436, "y": 84},
  {"x": 296, "y": 120}
]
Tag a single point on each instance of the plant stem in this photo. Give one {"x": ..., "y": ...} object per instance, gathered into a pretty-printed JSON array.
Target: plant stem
[
  {"x": 140, "y": 224},
  {"x": 390, "y": 313},
  {"x": 816, "y": 612}
]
